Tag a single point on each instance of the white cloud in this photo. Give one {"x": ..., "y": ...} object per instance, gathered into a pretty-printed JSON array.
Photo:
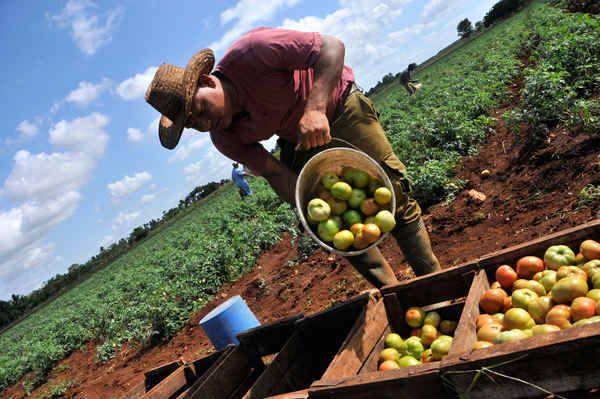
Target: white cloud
[
  {"x": 136, "y": 87},
  {"x": 135, "y": 135},
  {"x": 146, "y": 199},
  {"x": 45, "y": 175},
  {"x": 184, "y": 152},
  {"x": 214, "y": 166},
  {"x": 88, "y": 92},
  {"x": 82, "y": 134},
  {"x": 86, "y": 29},
  {"x": 125, "y": 219},
  {"x": 247, "y": 14},
  {"x": 27, "y": 130},
  {"x": 128, "y": 185}
]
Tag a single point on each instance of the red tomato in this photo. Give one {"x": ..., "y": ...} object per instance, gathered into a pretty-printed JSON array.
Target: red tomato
[
  {"x": 528, "y": 266},
  {"x": 507, "y": 304},
  {"x": 570, "y": 271},
  {"x": 371, "y": 232},
  {"x": 484, "y": 319},
  {"x": 583, "y": 308},
  {"x": 415, "y": 332},
  {"x": 495, "y": 284},
  {"x": 590, "y": 249},
  {"x": 506, "y": 276},
  {"x": 559, "y": 316},
  {"x": 488, "y": 332},
  {"x": 492, "y": 300},
  {"x": 388, "y": 365}
]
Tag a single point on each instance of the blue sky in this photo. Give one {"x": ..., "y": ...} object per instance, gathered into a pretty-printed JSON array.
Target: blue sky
[{"x": 80, "y": 161}]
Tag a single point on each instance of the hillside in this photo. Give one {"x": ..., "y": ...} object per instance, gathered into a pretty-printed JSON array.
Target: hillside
[{"x": 532, "y": 191}]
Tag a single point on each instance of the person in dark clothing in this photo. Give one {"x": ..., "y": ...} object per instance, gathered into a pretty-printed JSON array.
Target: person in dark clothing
[{"x": 406, "y": 81}]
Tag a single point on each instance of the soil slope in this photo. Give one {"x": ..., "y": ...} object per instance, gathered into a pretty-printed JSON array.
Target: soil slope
[{"x": 531, "y": 192}]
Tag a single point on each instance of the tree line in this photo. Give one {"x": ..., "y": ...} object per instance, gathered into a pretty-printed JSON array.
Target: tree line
[{"x": 21, "y": 305}]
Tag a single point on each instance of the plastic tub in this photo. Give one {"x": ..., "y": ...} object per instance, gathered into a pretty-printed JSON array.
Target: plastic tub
[
  {"x": 335, "y": 160},
  {"x": 227, "y": 320}
]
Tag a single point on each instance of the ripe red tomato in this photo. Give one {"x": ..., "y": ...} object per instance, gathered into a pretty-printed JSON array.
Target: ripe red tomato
[
  {"x": 559, "y": 316},
  {"x": 570, "y": 271},
  {"x": 590, "y": 249},
  {"x": 506, "y": 276},
  {"x": 528, "y": 266},
  {"x": 583, "y": 308},
  {"x": 488, "y": 332},
  {"x": 484, "y": 319},
  {"x": 388, "y": 365},
  {"x": 492, "y": 300},
  {"x": 371, "y": 233}
]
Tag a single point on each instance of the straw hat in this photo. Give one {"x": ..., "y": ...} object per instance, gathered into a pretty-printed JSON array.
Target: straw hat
[{"x": 171, "y": 93}]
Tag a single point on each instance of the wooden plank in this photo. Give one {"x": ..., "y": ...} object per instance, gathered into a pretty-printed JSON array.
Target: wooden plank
[
  {"x": 278, "y": 367},
  {"x": 559, "y": 361},
  {"x": 136, "y": 392},
  {"x": 152, "y": 378},
  {"x": 407, "y": 383},
  {"x": 202, "y": 365},
  {"x": 433, "y": 288},
  {"x": 267, "y": 339},
  {"x": 308, "y": 367},
  {"x": 229, "y": 372},
  {"x": 361, "y": 340},
  {"x": 395, "y": 313},
  {"x": 372, "y": 363},
  {"x": 243, "y": 388},
  {"x": 301, "y": 394},
  {"x": 202, "y": 379},
  {"x": 170, "y": 385},
  {"x": 466, "y": 332}
]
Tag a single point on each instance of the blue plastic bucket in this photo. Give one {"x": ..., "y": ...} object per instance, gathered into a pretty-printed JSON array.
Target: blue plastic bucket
[{"x": 227, "y": 320}]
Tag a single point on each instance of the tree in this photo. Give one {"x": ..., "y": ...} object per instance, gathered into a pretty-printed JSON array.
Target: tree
[
  {"x": 464, "y": 28},
  {"x": 479, "y": 26}
]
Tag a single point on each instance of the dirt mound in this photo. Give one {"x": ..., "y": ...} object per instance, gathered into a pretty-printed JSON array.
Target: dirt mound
[{"x": 531, "y": 192}]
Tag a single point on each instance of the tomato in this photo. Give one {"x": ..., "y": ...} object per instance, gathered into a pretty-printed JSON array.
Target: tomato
[
  {"x": 393, "y": 340},
  {"x": 385, "y": 220},
  {"x": 356, "y": 198},
  {"x": 415, "y": 316},
  {"x": 371, "y": 233},
  {"x": 536, "y": 287},
  {"x": 520, "y": 283},
  {"x": 338, "y": 219},
  {"x": 590, "y": 249},
  {"x": 415, "y": 332},
  {"x": 425, "y": 355},
  {"x": 517, "y": 318},
  {"x": 369, "y": 206},
  {"x": 557, "y": 256},
  {"x": 407, "y": 361},
  {"x": 506, "y": 276},
  {"x": 591, "y": 268},
  {"x": 567, "y": 289},
  {"x": 570, "y": 271},
  {"x": 499, "y": 316},
  {"x": 492, "y": 300},
  {"x": 327, "y": 229},
  {"x": 318, "y": 209},
  {"x": 559, "y": 316},
  {"x": 543, "y": 329},
  {"x": 481, "y": 344},
  {"x": 356, "y": 228},
  {"x": 496, "y": 284},
  {"x": 596, "y": 281},
  {"x": 507, "y": 304},
  {"x": 348, "y": 174},
  {"x": 548, "y": 279},
  {"x": 389, "y": 354},
  {"x": 488, "y": 332},
  {"x": 594, "y": 294},
  {"x": 523, "y": 297},
  {"x": 351, "y": 218},
  {"x": 324, "y": 194},
  {"x": 580, "y": 259},
  {"x": 373, "y": 186},
  {"x": 582, "y": 308},
  {"x": 508, "y": 336},
  {"x": 382, "y": 195},
  {"x": 341, "y": 190},
  {"x": 448, "y": 327},
  {"x": 337, "y": 206},
  {"x": 594, "y": 319},
  {"x": 388, "y": 365},
  {"x": 329, "y": 179},
  {"x": 539, "y": 308},
  {"x": 412, "y": 347},
  {"x": 432, "y": 318},
  {"x": 440, "y": 347},
  {"x": 429, "y": 333},
  {"x": 528, "y": 266},
  {"x": 361, "y": 179},
  {"x": 484, "y": 319},
  {"x": 343, "y": 240},
  {"x": 360, "y": 242}
]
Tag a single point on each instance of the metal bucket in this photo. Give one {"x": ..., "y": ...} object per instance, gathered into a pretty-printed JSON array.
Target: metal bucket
[
  {"x": 227, "y": 320},
  {"x": 334, "y": 160}
]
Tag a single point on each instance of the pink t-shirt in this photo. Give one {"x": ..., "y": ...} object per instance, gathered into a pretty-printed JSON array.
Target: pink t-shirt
[{"x": 271, "y": 70}]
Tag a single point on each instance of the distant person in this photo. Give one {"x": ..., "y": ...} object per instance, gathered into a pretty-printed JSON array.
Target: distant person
[
  {"x": 238, "y": 177},
  {"x": 406, "y": 81}
]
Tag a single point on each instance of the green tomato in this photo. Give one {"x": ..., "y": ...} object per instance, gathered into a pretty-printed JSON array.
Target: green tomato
[
  {"x": 507, "y": 336},
  {"x": 407, "y": 361},
  {"x": 441, "y": 346},
  {"x": 412, "y": 347},
  {"x": 557, "y": 256}
]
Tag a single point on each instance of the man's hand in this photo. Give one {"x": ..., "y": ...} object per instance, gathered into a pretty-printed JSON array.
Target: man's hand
[{"x": 313, "y": 130}]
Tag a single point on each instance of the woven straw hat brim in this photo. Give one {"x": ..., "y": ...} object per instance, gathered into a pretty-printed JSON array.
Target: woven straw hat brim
[{"x": 169, "y": 131}]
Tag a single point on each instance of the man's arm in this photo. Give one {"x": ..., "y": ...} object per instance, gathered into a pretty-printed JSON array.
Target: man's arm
[
  {"x": 313, "y": 129},
  {"x": 248, "y": 174},
  {"x": 281, "y": 179}
]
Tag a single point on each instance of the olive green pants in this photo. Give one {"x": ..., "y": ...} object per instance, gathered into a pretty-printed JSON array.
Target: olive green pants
[{"x": 356, "y": 121}]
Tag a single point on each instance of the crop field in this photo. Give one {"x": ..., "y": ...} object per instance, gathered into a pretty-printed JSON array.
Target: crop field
[{"x": 151, "y": 291}]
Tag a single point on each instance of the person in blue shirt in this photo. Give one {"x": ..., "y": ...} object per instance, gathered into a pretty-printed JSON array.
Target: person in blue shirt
[{"x": 238, "y": 177}]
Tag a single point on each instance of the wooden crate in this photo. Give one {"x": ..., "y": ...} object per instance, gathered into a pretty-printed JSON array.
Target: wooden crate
[
  {"x": 559, "y": 362},
  {"x": 308, "y": 352},
  {"x": 353, "y": 373}
]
